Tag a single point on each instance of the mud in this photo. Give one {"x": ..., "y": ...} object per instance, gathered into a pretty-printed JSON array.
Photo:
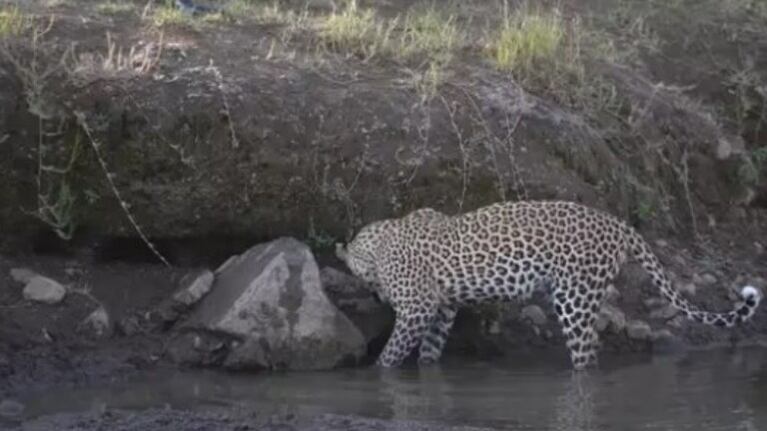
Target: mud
[{"x": 167, "y": 420}]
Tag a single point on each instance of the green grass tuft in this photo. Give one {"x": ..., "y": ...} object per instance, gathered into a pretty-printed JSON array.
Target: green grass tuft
[
  {"x": 12, "y": 22},
  {"x": 526, "y": 38},
  {"x": 428, "y": 33},
  {"x": 113, "y": 8},
  {"x": 356, "y": 31},
  {"x": 165, "y": 15}
]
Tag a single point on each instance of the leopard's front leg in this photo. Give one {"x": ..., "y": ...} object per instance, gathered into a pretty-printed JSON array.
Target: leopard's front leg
[{"x": 410, "y": 325}]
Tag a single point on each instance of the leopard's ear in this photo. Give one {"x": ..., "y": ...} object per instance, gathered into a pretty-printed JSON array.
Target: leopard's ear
[{"x": 341, "y": 252}]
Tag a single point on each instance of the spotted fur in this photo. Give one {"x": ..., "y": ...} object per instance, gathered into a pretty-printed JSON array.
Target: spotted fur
[{"x": 427, "y": 264}]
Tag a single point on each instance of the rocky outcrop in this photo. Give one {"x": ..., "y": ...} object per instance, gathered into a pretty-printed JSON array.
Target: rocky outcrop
[{"x": 267, "y": 309}]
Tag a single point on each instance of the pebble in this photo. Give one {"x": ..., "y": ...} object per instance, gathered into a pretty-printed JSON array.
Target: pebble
[
  {"x": 655, "y": 302},
  {"x": 638, "y": 330},
  {"x": 44, "y": 289},
  {"x": 662, "y": 334},
  {"x": 610, "y": 317},
  {"x": 612, "y": 293},
  {"x": 196, "y": 289},
  {"x": 495, "y": 328},
  {"x": 709, "y": 279},
  {"x": 22, "y": 275},
  {"x": 689, "y": 289},
  {"x": 664, "y": 313},
  {"x": 534, "y": 313},
  {"x": 10, "y": 408},
  {"x": 98, "y": 321}
]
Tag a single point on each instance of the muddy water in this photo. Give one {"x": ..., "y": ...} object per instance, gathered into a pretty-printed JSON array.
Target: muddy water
[{"x": 719, "y": 390}]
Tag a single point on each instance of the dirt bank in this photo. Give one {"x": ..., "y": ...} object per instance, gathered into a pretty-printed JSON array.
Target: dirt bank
[{"x": 300, "y": 137}]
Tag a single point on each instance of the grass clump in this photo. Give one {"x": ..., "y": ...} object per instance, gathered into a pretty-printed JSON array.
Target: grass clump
[
  {"x": 428, "y": 33},
  {"x": 526, "y": 38},
  {"x": 754, "y": 167},
  {"x": 168, "y": 15},
  {"x": 113, "y": 8},
  {"x": 356, "y": 31},
  {"x": 12, "y": 22}
]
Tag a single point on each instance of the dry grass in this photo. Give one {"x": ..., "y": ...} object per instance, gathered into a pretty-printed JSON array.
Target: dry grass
[{"x": 117, "y": 61}]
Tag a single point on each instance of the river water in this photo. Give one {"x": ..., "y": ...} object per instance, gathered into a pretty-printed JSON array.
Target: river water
[{"x": 712, "y": 390}]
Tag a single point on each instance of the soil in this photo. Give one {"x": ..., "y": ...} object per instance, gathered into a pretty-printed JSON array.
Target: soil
[{"x": 158, "y": 420}]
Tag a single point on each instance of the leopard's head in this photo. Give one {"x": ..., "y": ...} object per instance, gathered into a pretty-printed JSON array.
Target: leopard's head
[{"x": 360, "y": 254}]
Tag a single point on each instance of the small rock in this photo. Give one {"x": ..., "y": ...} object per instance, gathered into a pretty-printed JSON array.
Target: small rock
[
  {"x": 97, "y": 321},
  {"x": 638, "y": 330},
  {"x": 661, "y": 243},
  {"x": 494, "y": 328},
  {"x": 687, "y": 288},
  {"x": 723, "y": 149},
  {"x": 665, "y": 313},
  {"x": 662, "y": 335},
  {"x": 534, "y": 314},
  {"x": 128, "y": 326},
  {"x": 677, "y": 321},
  {"x": 655, "y": 302},
  {"x": 610, "y": 317},
  {"x": 44, "y": 289},
  {"x": 22, "y": 275},
  {"x": 612, "y": 293},
  {"x": 10, "y": 408},
  {"x": 601, "y": 323},
  {"x": 709, "y": 279},
  {"x": 195, "y": 290}
]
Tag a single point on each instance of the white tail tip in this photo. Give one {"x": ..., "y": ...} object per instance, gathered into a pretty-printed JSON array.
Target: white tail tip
[{"x": 750, "y": 292}]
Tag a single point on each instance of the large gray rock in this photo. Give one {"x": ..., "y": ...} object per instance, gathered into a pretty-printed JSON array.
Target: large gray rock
[{"x": 270, "y": 307}]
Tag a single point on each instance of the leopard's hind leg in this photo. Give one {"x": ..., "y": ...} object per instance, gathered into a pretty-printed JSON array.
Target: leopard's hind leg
[{"x": 577, "y": 301}]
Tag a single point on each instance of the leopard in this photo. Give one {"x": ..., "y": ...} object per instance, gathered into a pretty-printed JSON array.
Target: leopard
[{"x": 427, "y": 264}]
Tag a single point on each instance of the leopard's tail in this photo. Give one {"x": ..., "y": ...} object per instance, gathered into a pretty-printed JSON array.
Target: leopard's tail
[{"x": 750, "y": 296}]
